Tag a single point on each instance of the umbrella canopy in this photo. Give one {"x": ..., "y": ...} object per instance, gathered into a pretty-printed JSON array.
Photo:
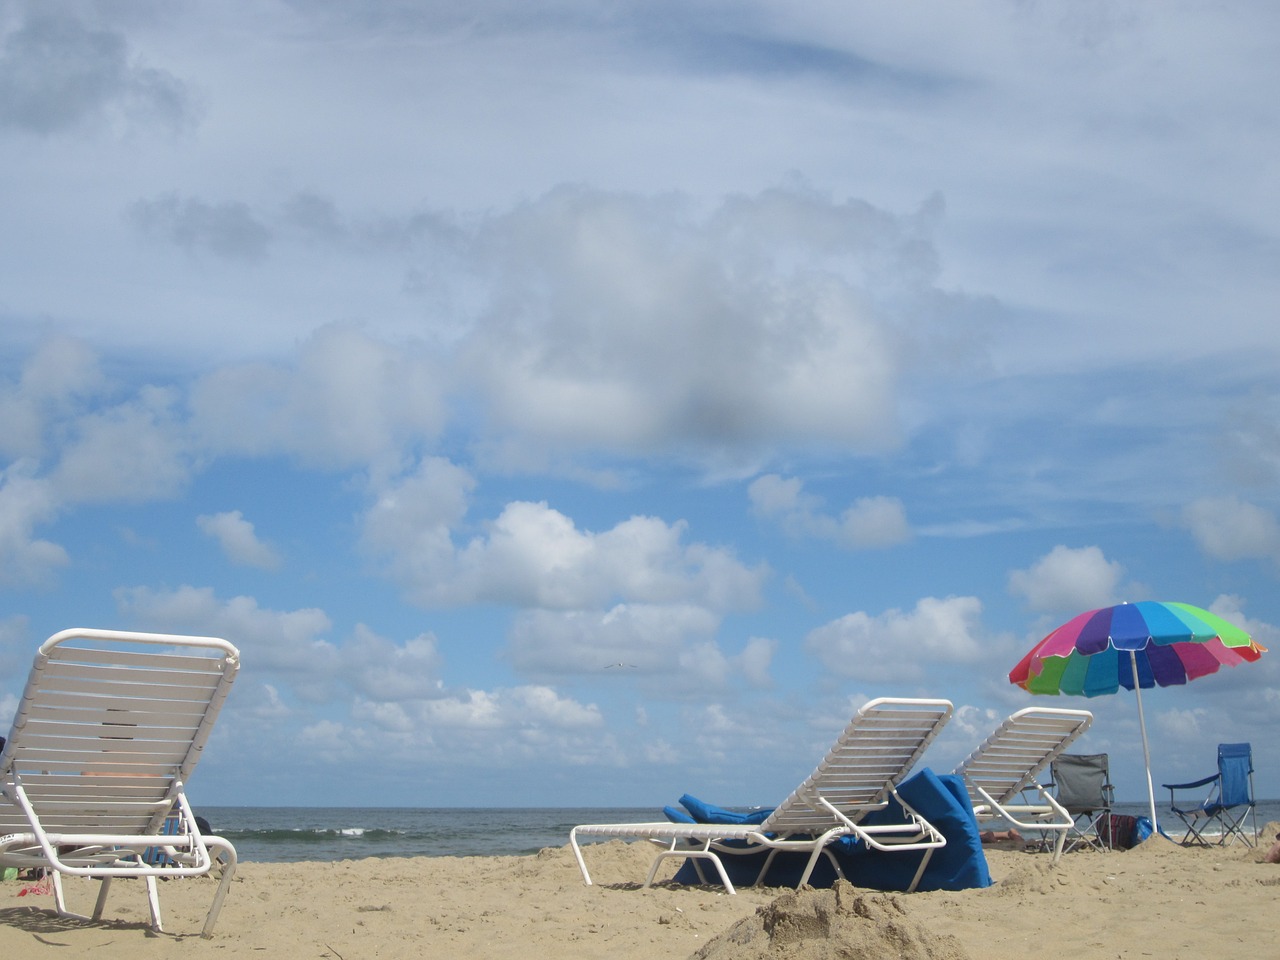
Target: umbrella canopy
[
  {"x": 1171, "y": 643},
  {"x": 1135, "y": 646}
]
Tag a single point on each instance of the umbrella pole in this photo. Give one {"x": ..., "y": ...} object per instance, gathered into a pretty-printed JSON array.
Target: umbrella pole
[{"x": 1146, "y": 751}]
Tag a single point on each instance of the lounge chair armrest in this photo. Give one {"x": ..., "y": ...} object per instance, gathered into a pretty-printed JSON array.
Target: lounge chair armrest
[{"x": 1191, "y": 786}]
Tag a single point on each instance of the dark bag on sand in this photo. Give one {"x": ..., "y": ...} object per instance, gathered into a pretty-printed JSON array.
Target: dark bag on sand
[{"x": 1117, "y": 831}]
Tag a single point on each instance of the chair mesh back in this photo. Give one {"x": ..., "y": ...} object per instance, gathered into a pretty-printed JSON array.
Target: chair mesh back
[
  {"x": 1235, "y": 763},
  {"x": 1081, "y": 778}
]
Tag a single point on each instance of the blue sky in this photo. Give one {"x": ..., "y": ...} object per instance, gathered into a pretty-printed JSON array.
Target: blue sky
[{"x": 445, "y": 357}]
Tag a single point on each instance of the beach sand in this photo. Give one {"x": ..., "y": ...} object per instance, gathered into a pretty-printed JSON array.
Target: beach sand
[{"x": 1157, "y": 900}]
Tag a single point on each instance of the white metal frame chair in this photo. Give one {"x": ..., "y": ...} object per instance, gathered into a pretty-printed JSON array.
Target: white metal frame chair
[
  {"x": 1000, "y": 775},
  {"x": 107, "y": 733},
  {"x": 859, "y": 774},
  {"x": 1082, "y": 784}
]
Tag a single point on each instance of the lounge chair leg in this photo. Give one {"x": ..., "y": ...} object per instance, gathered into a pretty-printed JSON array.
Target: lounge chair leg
[
  {"x": 835, "y": 864},
  {"x": 924, "y": 862},
  {"x": 577, "y": 855},
  {"x": 59, "y": 897},
  {"x": 153, "y": 903},
  {"x": 694, "y": 855},
  {"x": 768, "y": 862},
  {"x": 227, "y": 855},
  {"x": 808, "y": 867},
  {"x": 1058, "y": 844},
  {"x": 103, "y": 889}
]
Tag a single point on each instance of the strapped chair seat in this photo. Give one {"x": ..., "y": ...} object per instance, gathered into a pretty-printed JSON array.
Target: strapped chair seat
[
  {"x": 1000, "y": 774},
  {"x": 859, "y": 774},
  {"x": 107, "y": 733},
  {"x": 1229, "y": 801}
]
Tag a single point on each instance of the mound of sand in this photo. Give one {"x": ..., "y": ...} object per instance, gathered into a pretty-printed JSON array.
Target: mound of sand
[{"x": 836, "y": 924}]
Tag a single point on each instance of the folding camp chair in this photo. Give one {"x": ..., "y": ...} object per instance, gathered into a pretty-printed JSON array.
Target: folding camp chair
[
  {"x": 1082, "y": 783},
  {"x": 1229, "y": 801}
]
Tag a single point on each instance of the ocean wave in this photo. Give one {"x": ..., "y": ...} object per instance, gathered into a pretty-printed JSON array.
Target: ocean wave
[{"x": 312, "y": 834}]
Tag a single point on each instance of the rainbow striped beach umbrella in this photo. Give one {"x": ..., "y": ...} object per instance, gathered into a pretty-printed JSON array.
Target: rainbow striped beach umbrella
[{"x": 1135, "y": 646}]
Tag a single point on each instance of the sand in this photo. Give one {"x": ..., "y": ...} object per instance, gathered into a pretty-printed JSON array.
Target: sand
[{"x": 1157, "y": 900}]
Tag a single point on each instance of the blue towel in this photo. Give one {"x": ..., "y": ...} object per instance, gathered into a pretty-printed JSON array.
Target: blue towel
[
  {"x": 707, "y": 813},
  {"x": 942, "y": 800},
  {"x": 677, "y": 816}
]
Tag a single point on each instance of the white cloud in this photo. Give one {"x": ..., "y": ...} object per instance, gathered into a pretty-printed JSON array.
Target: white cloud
[
  {"x": 391, "y": 716},
  {"x": 77, "y": 439},
  {"x": 775, "y": 496},
  {"x": 869, "y": 522},
  {"x": 134, "y": 451},
  {"x": 875, "y": 522},
  {"x": 61, "y": 375},
  {"x": 349, "y": 400},
  {"x": 970, "y": 725},
  {"x": 466, "y": 728},
  {"x": 755, "y": 661},
  {"x": 895, "y": 645},
  {"x": 58, "y": 73},
  {"x": 670, "y": 650},
  {"x": 16, "y": 648},
  {"x": 264, "y": 706},
  {"x": 1068, "y": 579},
  {"x": 1182, "y": 725},
  {"x": 398, "y": 688},
  {"x": 239, "y": 540},
  {"x": 636, "y": 324},
  {"x": 16, "y": 655},
  {"x": 535, "y": 556},
  {"x": 226, "y": 229},
  {"x": 513, "y": 709},
  {"x": 386, "y": 672},
  {"x": 1228, "y": 528},
  {"x": 411, "y": 521},
  {"x": 659, "y": 753},
  {"x": 645, "y": 638},
  {"x": 26, "y": 501},
  {"x": 332, "y": 739},
  {"x": 287, "y": 644},
  {"x": 700, "y": 668}
]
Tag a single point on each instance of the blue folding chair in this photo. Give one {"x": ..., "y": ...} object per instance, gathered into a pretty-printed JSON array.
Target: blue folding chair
[{"x": 1229, "y": 802}]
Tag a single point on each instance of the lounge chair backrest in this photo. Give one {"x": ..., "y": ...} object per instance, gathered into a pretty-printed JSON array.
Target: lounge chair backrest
[
  {"x": 875, "y": 752},
  {"x": 1011, "y": 759},
  {"x": 1235, "y": 764},
  {"x": 109, "y": 726}
]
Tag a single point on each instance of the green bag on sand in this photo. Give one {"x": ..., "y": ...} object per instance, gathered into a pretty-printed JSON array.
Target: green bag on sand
[{"x": 10, "y": 873}]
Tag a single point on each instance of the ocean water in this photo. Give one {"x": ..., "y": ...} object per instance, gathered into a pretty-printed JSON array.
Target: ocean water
[{"x": 286, "y": 834}]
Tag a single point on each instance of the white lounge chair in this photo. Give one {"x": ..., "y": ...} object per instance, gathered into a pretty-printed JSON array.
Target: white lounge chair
[
  {"x": 107, "y": 733},
  {"x": 858, "y": 775},
  {"x": 1000, "y": 775}
]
